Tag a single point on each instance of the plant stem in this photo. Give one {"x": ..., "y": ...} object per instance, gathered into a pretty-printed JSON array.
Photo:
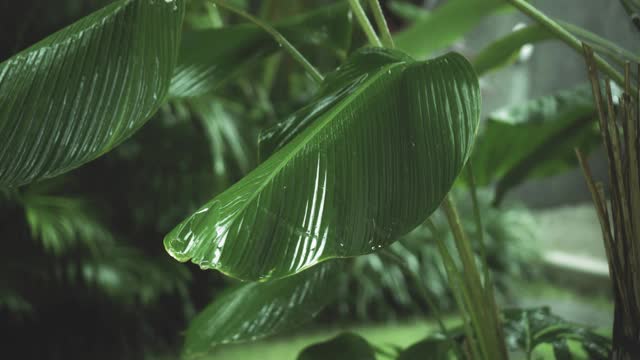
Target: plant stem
[
  {"x": 281, "y": 40},
  {"x": 364, "y": 23},
  {"x": 387, "y": 40},
  {"x": 564, "y": 35}
]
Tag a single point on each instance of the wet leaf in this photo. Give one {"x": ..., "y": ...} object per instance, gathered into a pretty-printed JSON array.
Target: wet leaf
[
  {"x": 257, "y": 310},
  {"x": 83, "y": 90},
  {"x": 369, "y": 168}
]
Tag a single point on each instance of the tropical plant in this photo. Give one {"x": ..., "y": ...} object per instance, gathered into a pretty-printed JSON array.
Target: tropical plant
[{"x": 352, "y": 154}]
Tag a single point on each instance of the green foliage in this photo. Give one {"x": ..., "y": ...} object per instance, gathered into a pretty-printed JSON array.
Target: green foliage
[
  {"x": 346, "y": 346},
  {"x": 438, "y": 348},
  {"x": 257, "y": 310},
  {"x": 446, "y": 24},
  {"x": 525, "y": 329},
  {"x": 534, "y": 139},
  {"x": 88, "y": 87},
  {"x": 325, "y": 194}
]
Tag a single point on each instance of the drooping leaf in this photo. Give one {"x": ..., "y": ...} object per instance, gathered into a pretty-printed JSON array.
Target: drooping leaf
[
  {"x": 346, "y": 346},
  {"x": 525, "y": 329},
  {"x": 446, "y": 24},
  {"x": 210, "y": 57},
  {"x": 365, "y": 171},
  {"x": 534, "y": 139},
  {"x": 503, "y": 50},
  {"x": 433, "y": 348},
  {"x": 83, "y": 90},
  {"x": 261, "y": 309}
]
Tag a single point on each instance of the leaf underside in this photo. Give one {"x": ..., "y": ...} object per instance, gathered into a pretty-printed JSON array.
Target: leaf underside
[
  {"x": 83, "y": 90},
  {"x": 365, "y": 170},
  {"x": 260, "y": 309}
]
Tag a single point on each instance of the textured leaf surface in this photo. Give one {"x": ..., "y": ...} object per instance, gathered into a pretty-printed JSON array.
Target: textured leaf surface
[
  {"x": 366, "y": 170},
  {"x": 210, "y": 57},
  {"x": 346, "y": 346},
  {"x": 83, "y": 90},
  {"x": 257, "y": 310},
  {"x": 535, "y": 139}
]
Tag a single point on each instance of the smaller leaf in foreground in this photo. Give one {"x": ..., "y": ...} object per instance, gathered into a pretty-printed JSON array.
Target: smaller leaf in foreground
[
  {"x": 432, "y": 348},
  {"x": 260, "y": 309},
  {"x": 346, "y": 346}
]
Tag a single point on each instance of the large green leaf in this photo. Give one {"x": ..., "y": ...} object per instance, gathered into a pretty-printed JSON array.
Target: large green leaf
[
  {"x": 366, "y": 170},
  {"x": 83, "y": 90},
  {"x": 260, "y": 309},
  {"x": 534, "y": 139},
  {"x": 208, "y": 58},
  {"x": 346, "y": 346},
  {"x": 446, "y": 24},
  {"x": 437, "y": 348}
]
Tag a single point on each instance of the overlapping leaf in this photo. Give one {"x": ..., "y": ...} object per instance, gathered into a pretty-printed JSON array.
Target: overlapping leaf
[
  {"x": 535, "y": 139},
  {"x": 367, "y": 169},
  {"x": 257, "y": 310},
  {"x": 210, "y": 57},
  {"x": 83, "y": 90}
]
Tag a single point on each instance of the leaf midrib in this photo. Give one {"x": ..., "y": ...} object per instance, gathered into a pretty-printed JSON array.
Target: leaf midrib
[{"x": 314, "y": 131}]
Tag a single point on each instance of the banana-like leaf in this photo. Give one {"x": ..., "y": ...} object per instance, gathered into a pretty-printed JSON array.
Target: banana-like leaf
[
  {"x": 208, "y": 58},
  {"x": 346, "y": 346},
  {"x": 261, "y": 309},
  {"x": 83, "y": 90},
  {"x": 446, "y": 24},
  {"x": 535, "y": 139},
  {"x": 367, "y": 170}
]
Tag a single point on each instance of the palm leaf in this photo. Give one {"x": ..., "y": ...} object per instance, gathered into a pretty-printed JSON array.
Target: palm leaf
[
  {"x": 366, "y": 170},
  {"x": 81, "y": 91}
]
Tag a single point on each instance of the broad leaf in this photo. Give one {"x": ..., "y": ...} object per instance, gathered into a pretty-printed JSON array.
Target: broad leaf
[
  {"x": 368, "y": 169},
  {"x": 208, "y": 58},
  {"x": 534, "y": 139},
  {"x": 446, "y": 24},
  {"x": 502, "y": 51},
  {"x": 525, "y": 329},
  {"x": 257, "y": 310},
  {"x": 83, "y": 90},
  {"x": 346, "y": 346}
]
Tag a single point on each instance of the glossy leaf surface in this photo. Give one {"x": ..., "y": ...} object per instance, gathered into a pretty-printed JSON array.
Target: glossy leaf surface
[
  {"x": 83, "y": 90},
  {"x": 257, "y": 310},
  {"x": 208, "y": 58},
  {"x": 366, "y": 170},
  {"x": 346, "y": 346},
  {"x": 535, "y": 139}
]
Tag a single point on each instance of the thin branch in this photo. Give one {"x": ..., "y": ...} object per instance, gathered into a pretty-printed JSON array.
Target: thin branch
[
  {"x": 383, "y": 28},
  {"x": 281, "y": 40},
  {"x": 364, "y": 23}
]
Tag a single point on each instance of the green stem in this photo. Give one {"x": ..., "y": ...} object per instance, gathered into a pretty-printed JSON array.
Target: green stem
[
  {"x": 364, "y": 23},
  {"x": 601, "y": 43},
  {"x": 421, "y": 286},
  {"x": 315, "y": 74},
  {"x": 478, "y": 219},
  {"x": 387, "y": 40},
  {"x": 564, "y": 35}
]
